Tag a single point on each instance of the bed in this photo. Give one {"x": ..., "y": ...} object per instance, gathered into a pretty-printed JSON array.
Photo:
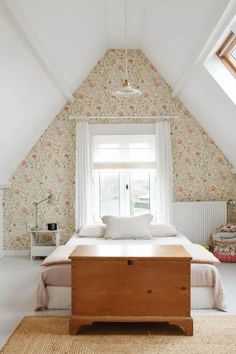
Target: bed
[{"x": 54, "y": 288}]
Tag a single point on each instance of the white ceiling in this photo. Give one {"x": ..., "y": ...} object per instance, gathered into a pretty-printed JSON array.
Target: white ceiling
[{"x": 49, "y": 47}]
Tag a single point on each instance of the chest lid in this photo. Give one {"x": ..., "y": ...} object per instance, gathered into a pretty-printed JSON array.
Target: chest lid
[{"x": 127, "y": 251}]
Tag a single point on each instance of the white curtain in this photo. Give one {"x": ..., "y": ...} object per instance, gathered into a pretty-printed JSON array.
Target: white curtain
[
  {"x": 83, "y": 175},
  {"x": 164, "y": 172}
]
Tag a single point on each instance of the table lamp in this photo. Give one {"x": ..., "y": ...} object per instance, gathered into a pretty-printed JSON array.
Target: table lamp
[{"x": 49, "y": 199}]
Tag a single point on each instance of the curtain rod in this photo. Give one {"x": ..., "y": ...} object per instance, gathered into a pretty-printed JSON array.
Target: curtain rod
[{"x": 154, "y": 118}]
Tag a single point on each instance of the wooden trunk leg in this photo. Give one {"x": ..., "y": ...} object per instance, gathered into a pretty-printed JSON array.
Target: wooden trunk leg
[
  {"x": 188, "y": 327},
  {"x": 186, "y": 324},
  {"x": 75, "y": 325}
]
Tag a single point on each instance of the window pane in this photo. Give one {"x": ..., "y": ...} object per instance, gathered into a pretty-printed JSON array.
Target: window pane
[
  {"x": 233, "y": 53},
  {"x": 139, "y": 193},
  {"x": 109, "y": 193}
]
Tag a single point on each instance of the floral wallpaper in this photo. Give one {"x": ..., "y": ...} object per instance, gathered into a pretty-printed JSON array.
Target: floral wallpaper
[
  {"x": 201, "y": 172},
  {"x": 48, "y": 168}
]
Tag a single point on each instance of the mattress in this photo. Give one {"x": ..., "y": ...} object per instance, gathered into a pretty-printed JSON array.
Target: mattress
[{"x": 60, "y": 297}]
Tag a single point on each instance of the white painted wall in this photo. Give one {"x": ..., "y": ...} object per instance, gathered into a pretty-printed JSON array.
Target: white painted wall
[
  {"x": 74, "y": 39},
  {"x": 73, "y": 33},
  {"x": 175, "y": 33},
  {"x": 214, "y": 110},
  {"x": 114, "y": 12},
  {"x": 29, "y": 100}
]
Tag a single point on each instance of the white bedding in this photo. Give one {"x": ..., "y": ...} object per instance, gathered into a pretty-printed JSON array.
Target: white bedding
[{"x": 179, "y": 239}]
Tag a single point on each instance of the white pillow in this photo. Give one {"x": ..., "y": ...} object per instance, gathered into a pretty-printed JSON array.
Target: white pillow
[
  {"x": 128, "y": 227},
  {"x": 93, "y": 230},
  {"x": 163, "y": 230}
]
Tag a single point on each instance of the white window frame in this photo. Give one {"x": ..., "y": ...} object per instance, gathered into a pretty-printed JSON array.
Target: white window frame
[
  {"x": 124, "y": 194},
  {"x": 122, "y": 129}
]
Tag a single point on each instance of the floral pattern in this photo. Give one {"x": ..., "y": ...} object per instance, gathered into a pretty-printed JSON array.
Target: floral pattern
[{"x": 200, "y": 170}]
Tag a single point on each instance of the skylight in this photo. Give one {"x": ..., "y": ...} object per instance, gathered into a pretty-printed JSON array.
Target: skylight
[
  {"x": 227, "y": 53},
  {"x": 221, "y": 61}
]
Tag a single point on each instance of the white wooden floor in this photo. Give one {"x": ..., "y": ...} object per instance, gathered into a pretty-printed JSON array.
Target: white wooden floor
[{"x": 19, "y": 277}]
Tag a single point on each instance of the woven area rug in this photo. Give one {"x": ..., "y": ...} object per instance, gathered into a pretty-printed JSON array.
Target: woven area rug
[{"x": 50, "y": 335}]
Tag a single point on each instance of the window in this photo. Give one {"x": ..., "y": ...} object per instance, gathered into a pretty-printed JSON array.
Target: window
[
  {"x": 227, "y": 53},
  {"x": 124, "y": 174}
]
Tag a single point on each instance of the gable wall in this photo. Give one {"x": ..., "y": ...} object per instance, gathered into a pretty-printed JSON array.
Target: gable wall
[{"x": 201, "y": 172}]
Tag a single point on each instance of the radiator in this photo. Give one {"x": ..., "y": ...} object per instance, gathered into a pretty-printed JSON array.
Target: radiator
[{"x": 197, "y": 220}]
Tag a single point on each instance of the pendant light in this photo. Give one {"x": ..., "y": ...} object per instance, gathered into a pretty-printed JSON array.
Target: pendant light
[{"x": 126, "y": 90}]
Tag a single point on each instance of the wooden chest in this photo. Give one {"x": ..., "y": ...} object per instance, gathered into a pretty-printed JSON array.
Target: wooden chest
[{"x": 130, "y": 283}]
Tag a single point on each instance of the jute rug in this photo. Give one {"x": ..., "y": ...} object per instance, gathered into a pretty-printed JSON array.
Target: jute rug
[{"x": 50, "y": 335}]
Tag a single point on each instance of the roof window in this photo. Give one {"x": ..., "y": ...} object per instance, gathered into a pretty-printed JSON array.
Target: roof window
[{"x": 227, "y": 53}]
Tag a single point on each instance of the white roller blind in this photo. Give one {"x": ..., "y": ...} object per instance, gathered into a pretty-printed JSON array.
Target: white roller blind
[{"x": 124, "y": 151}]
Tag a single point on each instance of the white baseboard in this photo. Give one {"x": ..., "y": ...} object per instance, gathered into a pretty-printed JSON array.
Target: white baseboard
[{"x": 16, "y": 253}]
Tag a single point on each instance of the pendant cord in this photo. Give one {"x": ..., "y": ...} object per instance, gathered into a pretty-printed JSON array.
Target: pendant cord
[
  {"x": 127, "y": 90},
  {"x": 126, "y": 56}
]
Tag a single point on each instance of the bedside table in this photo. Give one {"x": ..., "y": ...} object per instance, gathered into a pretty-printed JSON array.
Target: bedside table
[{"x": 40, "y": 249}]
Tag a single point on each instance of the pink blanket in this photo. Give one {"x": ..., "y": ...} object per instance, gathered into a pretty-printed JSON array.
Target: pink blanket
[{"x": 198, "y": 253}]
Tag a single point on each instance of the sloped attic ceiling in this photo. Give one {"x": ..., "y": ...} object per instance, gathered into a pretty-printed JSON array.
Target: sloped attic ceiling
[
  {"x": 47, "y": 50},
  {"x": 49, "y": 47}
]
